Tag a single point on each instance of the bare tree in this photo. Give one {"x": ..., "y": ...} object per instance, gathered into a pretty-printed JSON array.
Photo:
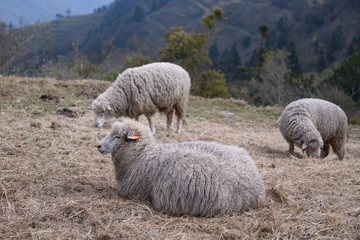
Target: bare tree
[
  {"x": 264, "y": 33},
  {"x": 15, "y": 43},
  {"x": 273, "y": 74}
]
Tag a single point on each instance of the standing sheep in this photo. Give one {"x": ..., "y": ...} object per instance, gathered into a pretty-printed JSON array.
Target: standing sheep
[
  {"x": 313, "y": 125},
  {"x": 190, "y": 178},
  {"x": 143, "y": 90}
]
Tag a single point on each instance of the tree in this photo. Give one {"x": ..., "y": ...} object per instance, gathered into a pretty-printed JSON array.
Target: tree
[
  {"x": 279, "y": 3},
  {"x": 136, "y": 61},
  {"x": 14, "y": 45},
  {"x": 281, "y": 24},
  {"x": 229, "y": 62},
  {"x": 246, "y": 42},
  {"x": 138, "y": 14},
  {"x": 293, "y": 58},
  {"x": 321, "y": 63},
  {"x": 273, "y": 75},
  {"x": 353, "y": 46},
  {"x": 253, "y": 61},
  {"x": 258, "y": 55},
  {"x": 214, "y": 52},
  {"x": 347, "y": 76},
  {"x": 210, "y": 83},
  {"x": 209, "y": 20},
  {"x": 337, "y": 43},
  {"x": 185, "y": 49},
  {"x": 264, "y": 33},
  {"x": 283, "y": 41},
  {"x": 188, "y": 50}
]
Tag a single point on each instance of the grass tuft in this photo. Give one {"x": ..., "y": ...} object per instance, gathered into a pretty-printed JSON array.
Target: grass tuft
[{"x": 54, "y": 184}]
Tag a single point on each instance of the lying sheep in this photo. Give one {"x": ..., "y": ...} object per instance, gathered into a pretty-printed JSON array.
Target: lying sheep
[
  {"x": 144, "y": 90},
  {"x": 190, "y": 178},
  {"x": 313, "y": 125}
]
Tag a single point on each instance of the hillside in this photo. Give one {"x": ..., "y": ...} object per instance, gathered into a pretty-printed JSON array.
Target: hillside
[
  {"x": 305, "y": 26},
  {"x": 55, "y": 184},
  {"x": 33, "y": 11},
  {"x": 70, "y": 31}
]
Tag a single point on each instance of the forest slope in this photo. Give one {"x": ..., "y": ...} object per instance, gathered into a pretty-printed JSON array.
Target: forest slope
[{"x": 309, "y": 26}]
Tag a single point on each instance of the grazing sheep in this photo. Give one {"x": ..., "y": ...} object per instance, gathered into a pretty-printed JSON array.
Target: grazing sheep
[
  {"x": 189, "y": 178},
  {"x": 313, "y": 125},
  {"x": 143, "y": 90}
]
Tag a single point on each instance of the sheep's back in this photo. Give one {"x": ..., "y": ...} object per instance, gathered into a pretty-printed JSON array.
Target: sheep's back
[
  {"x": 328, "y": 118},
  {"x": 159, "y": 84},
  {"x": 325, "y": 116},
  {"x": 199, "y": 181}
]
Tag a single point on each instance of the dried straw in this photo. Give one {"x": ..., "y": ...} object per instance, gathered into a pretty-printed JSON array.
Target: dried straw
[{"x": 55, "y": 184}]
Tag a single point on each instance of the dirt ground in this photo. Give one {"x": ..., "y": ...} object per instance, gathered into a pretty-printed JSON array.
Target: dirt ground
[{"x": 54, "y": 184}]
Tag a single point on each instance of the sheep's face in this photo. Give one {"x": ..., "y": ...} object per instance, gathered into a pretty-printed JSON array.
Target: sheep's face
[
  {"x": 313, "y": 152},
  {"x": 114, "y": 138},
  {"x": 99, "y": 119},
  {"x": 107, "y": 144},
  {"x": 118, "y": 138},
  {"x": 312, "y": 145}
]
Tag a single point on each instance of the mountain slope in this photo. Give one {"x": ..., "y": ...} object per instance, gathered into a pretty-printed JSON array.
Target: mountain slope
[
  {"x": 33, "y": 11},
  {"x": 308, "y": 29},
  {"x": 140, "y": 25}
]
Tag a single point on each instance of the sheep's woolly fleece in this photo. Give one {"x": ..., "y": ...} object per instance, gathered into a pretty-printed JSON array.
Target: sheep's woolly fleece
[
  {"x": 188, "y": 178},
  {"x": 314, "y": 124},
  {"x": 144, "y": 90}
]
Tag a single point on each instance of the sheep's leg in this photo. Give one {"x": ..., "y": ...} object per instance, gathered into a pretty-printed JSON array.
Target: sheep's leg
[
  {"x": 179, "y": 112},
  {"x": 179, "y": 125},
  {"x": 291, "y": 147},
  {"x": 325, "y": 150},
  {"x": 169, "y": 117},
  {"x": 291, "y": 150},
  {"x": 151, "y": 125},
  {"x": 338, "y": 145}
]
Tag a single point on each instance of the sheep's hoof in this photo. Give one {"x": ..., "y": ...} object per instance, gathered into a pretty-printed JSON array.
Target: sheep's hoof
[{"x": 294, "y": 154}]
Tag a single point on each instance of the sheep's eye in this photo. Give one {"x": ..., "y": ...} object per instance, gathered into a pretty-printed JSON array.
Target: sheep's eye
[{"x": 117, "y": 136}]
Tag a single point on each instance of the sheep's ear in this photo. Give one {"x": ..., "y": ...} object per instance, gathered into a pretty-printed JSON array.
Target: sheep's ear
[
  {"x": 132, "y": 137},
  {"x": 304, "y": 146}
]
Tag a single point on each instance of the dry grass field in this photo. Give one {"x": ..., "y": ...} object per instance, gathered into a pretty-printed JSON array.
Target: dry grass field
[{"x": 54, "y": 184}]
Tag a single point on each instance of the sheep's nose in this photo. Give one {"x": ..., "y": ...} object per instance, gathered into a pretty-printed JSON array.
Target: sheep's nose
[{"x": 99, "y": 146}]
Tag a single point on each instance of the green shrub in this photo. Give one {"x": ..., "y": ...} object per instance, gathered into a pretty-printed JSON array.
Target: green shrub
[
  {"x": 339, "y": 97},
  {"x": 111, "y": 77},
  {"x": 210, "y": 83},
  {"x": 354, "y": 120},
  {"x": 136, "y": 61}
]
